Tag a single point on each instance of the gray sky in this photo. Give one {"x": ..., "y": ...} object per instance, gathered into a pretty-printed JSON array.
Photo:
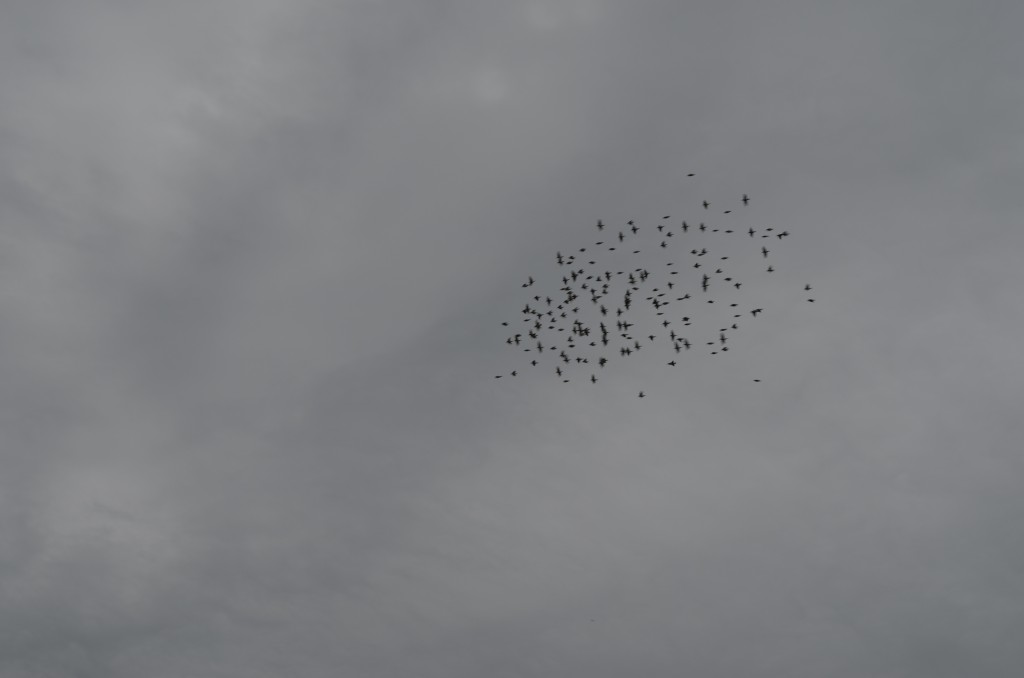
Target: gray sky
[{"x": 255, "y": 256}]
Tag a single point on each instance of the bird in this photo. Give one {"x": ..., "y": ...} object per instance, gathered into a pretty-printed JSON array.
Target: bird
[
  {"x": 550, "y": 312},
  {"x": 641, "y": 395}
]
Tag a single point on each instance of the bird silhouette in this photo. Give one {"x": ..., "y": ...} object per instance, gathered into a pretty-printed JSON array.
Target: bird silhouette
[{"x": 572, "y": 342}]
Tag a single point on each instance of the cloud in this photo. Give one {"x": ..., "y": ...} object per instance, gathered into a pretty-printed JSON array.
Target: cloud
[{"x": 255, "y": 257}]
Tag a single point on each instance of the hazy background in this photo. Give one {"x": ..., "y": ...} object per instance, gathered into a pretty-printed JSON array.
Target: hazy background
[{"x": 254, "y": 255}]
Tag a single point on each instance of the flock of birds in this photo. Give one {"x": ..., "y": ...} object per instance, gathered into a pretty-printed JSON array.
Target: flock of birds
[{"x": 564, "y": 330}]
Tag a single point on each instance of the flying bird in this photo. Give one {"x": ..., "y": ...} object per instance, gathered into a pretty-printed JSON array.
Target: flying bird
[{"x": 601, "y": 284}]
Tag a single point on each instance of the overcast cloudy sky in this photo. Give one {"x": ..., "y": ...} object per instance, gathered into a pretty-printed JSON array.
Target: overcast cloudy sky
[{"x": 254, "y": 258}]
